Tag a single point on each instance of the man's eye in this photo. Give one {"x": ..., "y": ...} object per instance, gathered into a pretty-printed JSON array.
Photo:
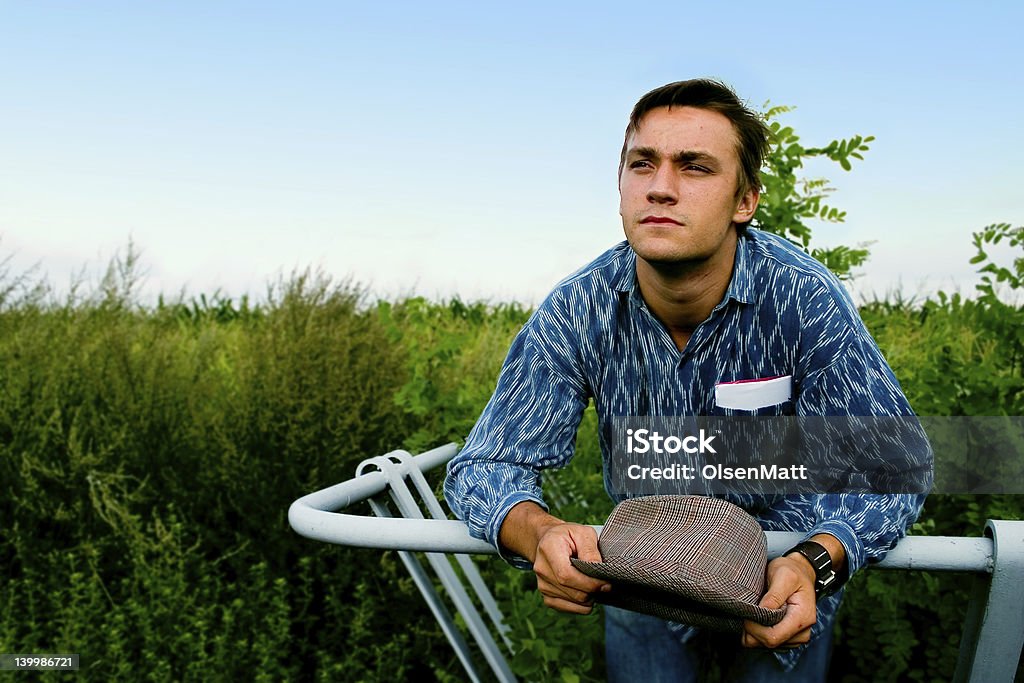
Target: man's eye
[
  {"x": 640, "y": 163},
  {"x": 695, "y": 167}
]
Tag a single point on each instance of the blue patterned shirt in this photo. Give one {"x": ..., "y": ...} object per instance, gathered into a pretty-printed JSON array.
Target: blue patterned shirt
[{"x": 783, "y": 313}]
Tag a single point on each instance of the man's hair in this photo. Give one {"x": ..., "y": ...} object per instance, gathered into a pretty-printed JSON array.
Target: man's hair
[{"x": 751, "y": 132}]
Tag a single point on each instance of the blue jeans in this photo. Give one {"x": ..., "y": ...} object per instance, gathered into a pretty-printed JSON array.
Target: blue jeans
[{"x": 639, "y": 647}]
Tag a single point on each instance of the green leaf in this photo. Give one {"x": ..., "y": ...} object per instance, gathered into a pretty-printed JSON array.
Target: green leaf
[{"x": 569, "y": 676}]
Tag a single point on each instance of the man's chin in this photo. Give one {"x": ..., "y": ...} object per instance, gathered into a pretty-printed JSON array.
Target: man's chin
[
  {"x": 666, "y": 256},
  {"x": 663, "y": 251}
]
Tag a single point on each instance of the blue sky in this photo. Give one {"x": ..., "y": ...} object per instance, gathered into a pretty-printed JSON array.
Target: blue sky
[{"x": 471, "y": 149}]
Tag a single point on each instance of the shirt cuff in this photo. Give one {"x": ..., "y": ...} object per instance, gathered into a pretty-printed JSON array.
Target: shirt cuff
[
  {"x": 497, "y": 518},
  {"x": 852, "y": 546}
]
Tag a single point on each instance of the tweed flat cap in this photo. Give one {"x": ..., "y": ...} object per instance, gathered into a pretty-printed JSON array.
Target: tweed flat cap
[{"x": 691, "y": 559}]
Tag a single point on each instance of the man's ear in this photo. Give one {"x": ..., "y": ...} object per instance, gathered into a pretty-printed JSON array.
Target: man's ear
[{"x": 747, "y": 206}]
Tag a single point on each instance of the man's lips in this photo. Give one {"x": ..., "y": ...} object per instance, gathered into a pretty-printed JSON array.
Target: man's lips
[{"x": 660, "y": 219}]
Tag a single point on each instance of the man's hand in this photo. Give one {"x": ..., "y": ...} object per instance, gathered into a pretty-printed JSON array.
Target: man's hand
[
  {"x": 790, "y": 583},
  {"x": 549, "y": 542},
  {"x": 563, "y": 586}
]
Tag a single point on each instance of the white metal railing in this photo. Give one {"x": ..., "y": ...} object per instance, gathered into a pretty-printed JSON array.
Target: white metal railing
[{"x": 993, "y": 627}]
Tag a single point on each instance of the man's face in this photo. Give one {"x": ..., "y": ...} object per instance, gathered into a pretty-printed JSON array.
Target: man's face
[{"x": 677, "y": 188}]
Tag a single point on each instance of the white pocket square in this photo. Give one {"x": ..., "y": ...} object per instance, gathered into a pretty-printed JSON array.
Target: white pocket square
[{"x": 751, "y": 394}]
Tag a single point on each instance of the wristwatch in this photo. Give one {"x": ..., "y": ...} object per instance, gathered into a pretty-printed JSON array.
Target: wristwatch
[{"x": 825, "y": 581}]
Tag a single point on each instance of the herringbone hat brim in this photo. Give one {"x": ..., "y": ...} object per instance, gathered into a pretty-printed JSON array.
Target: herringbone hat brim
[
  {"x": 691, "y": 559},
  {"x": 670, "y": 607}
]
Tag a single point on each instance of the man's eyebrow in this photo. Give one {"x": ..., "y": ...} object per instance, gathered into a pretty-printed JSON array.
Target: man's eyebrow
[
  {"x": 686, "y": 156},
  {"x": 643, "y": 152},
  {"x": 689, "y": 156}
]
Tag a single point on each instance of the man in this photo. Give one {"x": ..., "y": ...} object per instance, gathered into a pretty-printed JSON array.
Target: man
[{"x": 693, "y": 299}]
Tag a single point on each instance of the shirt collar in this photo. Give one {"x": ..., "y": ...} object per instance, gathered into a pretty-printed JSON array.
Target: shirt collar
[
  {"x": 623, "y": 280},
  {"x": 740, "y": 286}
]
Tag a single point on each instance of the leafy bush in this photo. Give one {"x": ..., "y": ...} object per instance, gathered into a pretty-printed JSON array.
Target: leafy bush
[{"x": 149, "y": 458}]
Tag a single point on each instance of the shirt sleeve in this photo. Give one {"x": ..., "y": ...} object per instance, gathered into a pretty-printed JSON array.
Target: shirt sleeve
[
  {"x": 858, "y": 382},
  {"x": 529, "y": 424}
]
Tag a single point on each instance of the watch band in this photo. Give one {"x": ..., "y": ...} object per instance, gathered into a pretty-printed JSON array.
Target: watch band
[{"x": 825, "y": 581}]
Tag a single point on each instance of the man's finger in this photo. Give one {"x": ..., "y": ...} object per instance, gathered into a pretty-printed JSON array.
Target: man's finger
[
  {"x": 773, "y": 599},
  {"x": 794, "y": 628},
  {"x": 570, "y": 577},
  {"x": 782, "y": 584},
  {"x": 560, "y": 569},
  {"x": 566, "y": 606},
  {"x": 801, "y": 638},
  {"x": 585, "y": 540},
  {"x": 555, "y": 590}
]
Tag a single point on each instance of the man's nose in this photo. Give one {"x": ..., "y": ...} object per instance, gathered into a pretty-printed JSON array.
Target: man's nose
[{"x": 662, "y": 189}]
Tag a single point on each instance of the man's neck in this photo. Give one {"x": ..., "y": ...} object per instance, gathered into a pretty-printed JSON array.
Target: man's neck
[{"x": 682, "y": 295}]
